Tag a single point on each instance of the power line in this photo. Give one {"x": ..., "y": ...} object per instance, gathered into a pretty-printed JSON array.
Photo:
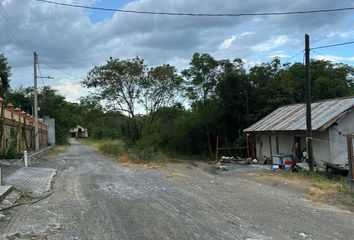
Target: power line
[
  {"x": 59, "y": 70},
  {"x": 333, "y": 59},
  {"x": 13, "y": 32},
  {"x": 293, "y": 56},
  {"x": 40, "y": 74},
  {"x": 333, "y": 45},
  {"x": 201, "y": 14}
]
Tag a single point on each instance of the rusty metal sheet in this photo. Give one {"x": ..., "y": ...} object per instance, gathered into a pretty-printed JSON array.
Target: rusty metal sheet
[{"x": 293, "y": 117}]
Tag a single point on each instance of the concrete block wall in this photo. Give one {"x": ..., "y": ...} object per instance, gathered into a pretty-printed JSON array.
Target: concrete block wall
[{"x": 15, "y": 122}]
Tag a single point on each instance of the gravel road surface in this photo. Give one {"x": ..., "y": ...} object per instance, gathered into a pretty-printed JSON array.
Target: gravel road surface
[{"x": 95, "y": 198}]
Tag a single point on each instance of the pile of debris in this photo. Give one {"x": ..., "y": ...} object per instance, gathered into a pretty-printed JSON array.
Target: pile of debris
[
  {"x": 220, "y": 164},
  {"x": 231, "y": 159}
]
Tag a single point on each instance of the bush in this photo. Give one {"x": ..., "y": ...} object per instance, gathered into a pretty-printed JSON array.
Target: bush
[
  {"x": 12, "y": 153},
  {"x": 114, "y": 147}
]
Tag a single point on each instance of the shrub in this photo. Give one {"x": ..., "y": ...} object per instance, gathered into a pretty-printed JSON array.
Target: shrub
[{"x": 114, "y": 147}]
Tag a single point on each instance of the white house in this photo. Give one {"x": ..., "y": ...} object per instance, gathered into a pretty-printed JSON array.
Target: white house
[
  {"x": 284, "y": 131},
  {"x": 79, "y": 132}
]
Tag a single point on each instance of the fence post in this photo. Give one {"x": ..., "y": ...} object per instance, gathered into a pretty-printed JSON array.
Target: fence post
[{"x": 26, "y": 158}]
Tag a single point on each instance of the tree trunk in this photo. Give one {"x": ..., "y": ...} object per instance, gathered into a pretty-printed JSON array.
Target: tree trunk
[{"x": 209, "y": 144}]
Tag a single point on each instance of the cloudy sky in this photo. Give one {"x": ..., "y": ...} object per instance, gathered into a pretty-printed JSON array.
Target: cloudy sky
[{"x": 71, "y": 41}]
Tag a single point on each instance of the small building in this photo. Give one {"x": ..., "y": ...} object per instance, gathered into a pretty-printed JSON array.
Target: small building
[
  {"x": 79, "y": 132},
  {"x": 284, "y": 131}
]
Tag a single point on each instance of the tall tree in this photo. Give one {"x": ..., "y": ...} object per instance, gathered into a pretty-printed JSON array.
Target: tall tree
[
  {"x": 118, "y": 82},
  {"x": 233, "y": 93},
  {"x": 331, "y": 80},
  {"x": 201, "y": 80},
  {"x": 5, "y": 73},
  {"x": 160, "y": 88}
]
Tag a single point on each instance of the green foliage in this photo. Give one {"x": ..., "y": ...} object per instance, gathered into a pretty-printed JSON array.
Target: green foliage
[
  {"x": 115, "y": 147},
  {"x": 5, "y": 74},
  {"x": 159, "y": 88},
  {"x": 118, "y": 81},
  {"x": 223, "y": 98},
  {"x": 143, "y": 154}
]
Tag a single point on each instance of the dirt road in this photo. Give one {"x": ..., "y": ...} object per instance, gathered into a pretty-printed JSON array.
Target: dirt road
[{"x": 97, "y": 199}]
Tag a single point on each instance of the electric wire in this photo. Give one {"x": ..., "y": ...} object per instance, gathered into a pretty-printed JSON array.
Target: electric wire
[
  {"x": 333, "y": 45},
  {"x": 11, "y": 29},
  {"x": 40, "y": 74},
  {"x": 61, "y": 71},
  {"x": 293, "y": 56},
  {"x": 15, "y": 29},
  {"x": 339, "y": 61},
  {"x": 200, "y": 14}
]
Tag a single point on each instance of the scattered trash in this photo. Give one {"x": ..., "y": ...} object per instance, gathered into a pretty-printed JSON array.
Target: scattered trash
[
  {"x": 255, "y": 161},
  {"x": 275, "y": 168},
  {"x": 287, "y": 167},
  {"x": 219, "y": 166},
  {"x": 302, "y": 235},
  {"x": 303, "y": 166}
]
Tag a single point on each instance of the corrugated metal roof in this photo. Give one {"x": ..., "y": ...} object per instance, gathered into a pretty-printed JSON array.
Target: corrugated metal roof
[{"x": 293, "y": 117}]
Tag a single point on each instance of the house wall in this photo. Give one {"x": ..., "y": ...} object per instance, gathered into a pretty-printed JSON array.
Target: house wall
[
  {"x": 321, "y": 147},
  {"x": 79, "y": 132},
  {"x": 266, "y": 143},
  {"x": 338, "y": 139}
]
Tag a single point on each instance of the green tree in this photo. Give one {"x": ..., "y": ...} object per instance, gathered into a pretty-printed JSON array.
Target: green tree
[
  {"x": 331, "y": 80},
  {"x": 201, "y": 80},
  {"x": 233, "y": 90},
  {"x": 160, "y": 88},
  {"x": 5, "y": 74},
  {"x": 118, "y": 82}
]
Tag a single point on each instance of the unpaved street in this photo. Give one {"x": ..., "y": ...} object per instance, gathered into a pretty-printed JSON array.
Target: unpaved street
[{"x": 95, "y": 198}]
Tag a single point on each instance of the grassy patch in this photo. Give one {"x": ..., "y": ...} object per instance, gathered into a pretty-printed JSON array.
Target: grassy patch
[
  {"x": 57, "y": 150},
  {"x": 90, "y": 141},
  {"x": 147, "y": 158},
  {"x": 52, "y": 154},
  {"x": 318, "y": 186},
  {"x": 112, "y": 147}
]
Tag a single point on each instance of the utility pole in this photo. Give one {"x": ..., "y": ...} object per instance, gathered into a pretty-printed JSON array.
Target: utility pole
[
  {"x": 36, "y": 135},
  {"x": 308, "y": 103}
]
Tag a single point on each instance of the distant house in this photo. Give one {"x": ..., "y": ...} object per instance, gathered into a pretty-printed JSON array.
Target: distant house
[
  {"x": 284, "y": 131},
  {"x": 79, "y": 132}
]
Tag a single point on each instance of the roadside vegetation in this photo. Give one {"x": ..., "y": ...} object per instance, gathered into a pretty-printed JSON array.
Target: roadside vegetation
[
  {"x": 114, "y": 147},
  {"x": 157, "y": 111},
  {"x": 317, "y": 187}
]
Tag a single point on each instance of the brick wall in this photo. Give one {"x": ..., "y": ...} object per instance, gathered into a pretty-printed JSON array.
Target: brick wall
[{"x": 17, "y": 128}]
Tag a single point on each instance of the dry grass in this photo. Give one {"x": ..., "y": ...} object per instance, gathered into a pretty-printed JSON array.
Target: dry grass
[
  {"x": 317, "y": 187},
  {"x": 55, "y": 151},
  {"x": 175, "y": 175},
  {"x": 129, "y": 162},
  {"x": 126, "y": 161}
]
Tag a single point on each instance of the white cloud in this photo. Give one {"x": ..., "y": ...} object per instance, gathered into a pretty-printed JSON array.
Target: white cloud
[
  {"x": 70, "y": 89},
  {"x": 280, "y": 54},
  {"x": 228, "y": 42},
  {"x": 67, "y": 39},
  {"x": 270, "y": 44},
  {"x": 333, "y": 58}
]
